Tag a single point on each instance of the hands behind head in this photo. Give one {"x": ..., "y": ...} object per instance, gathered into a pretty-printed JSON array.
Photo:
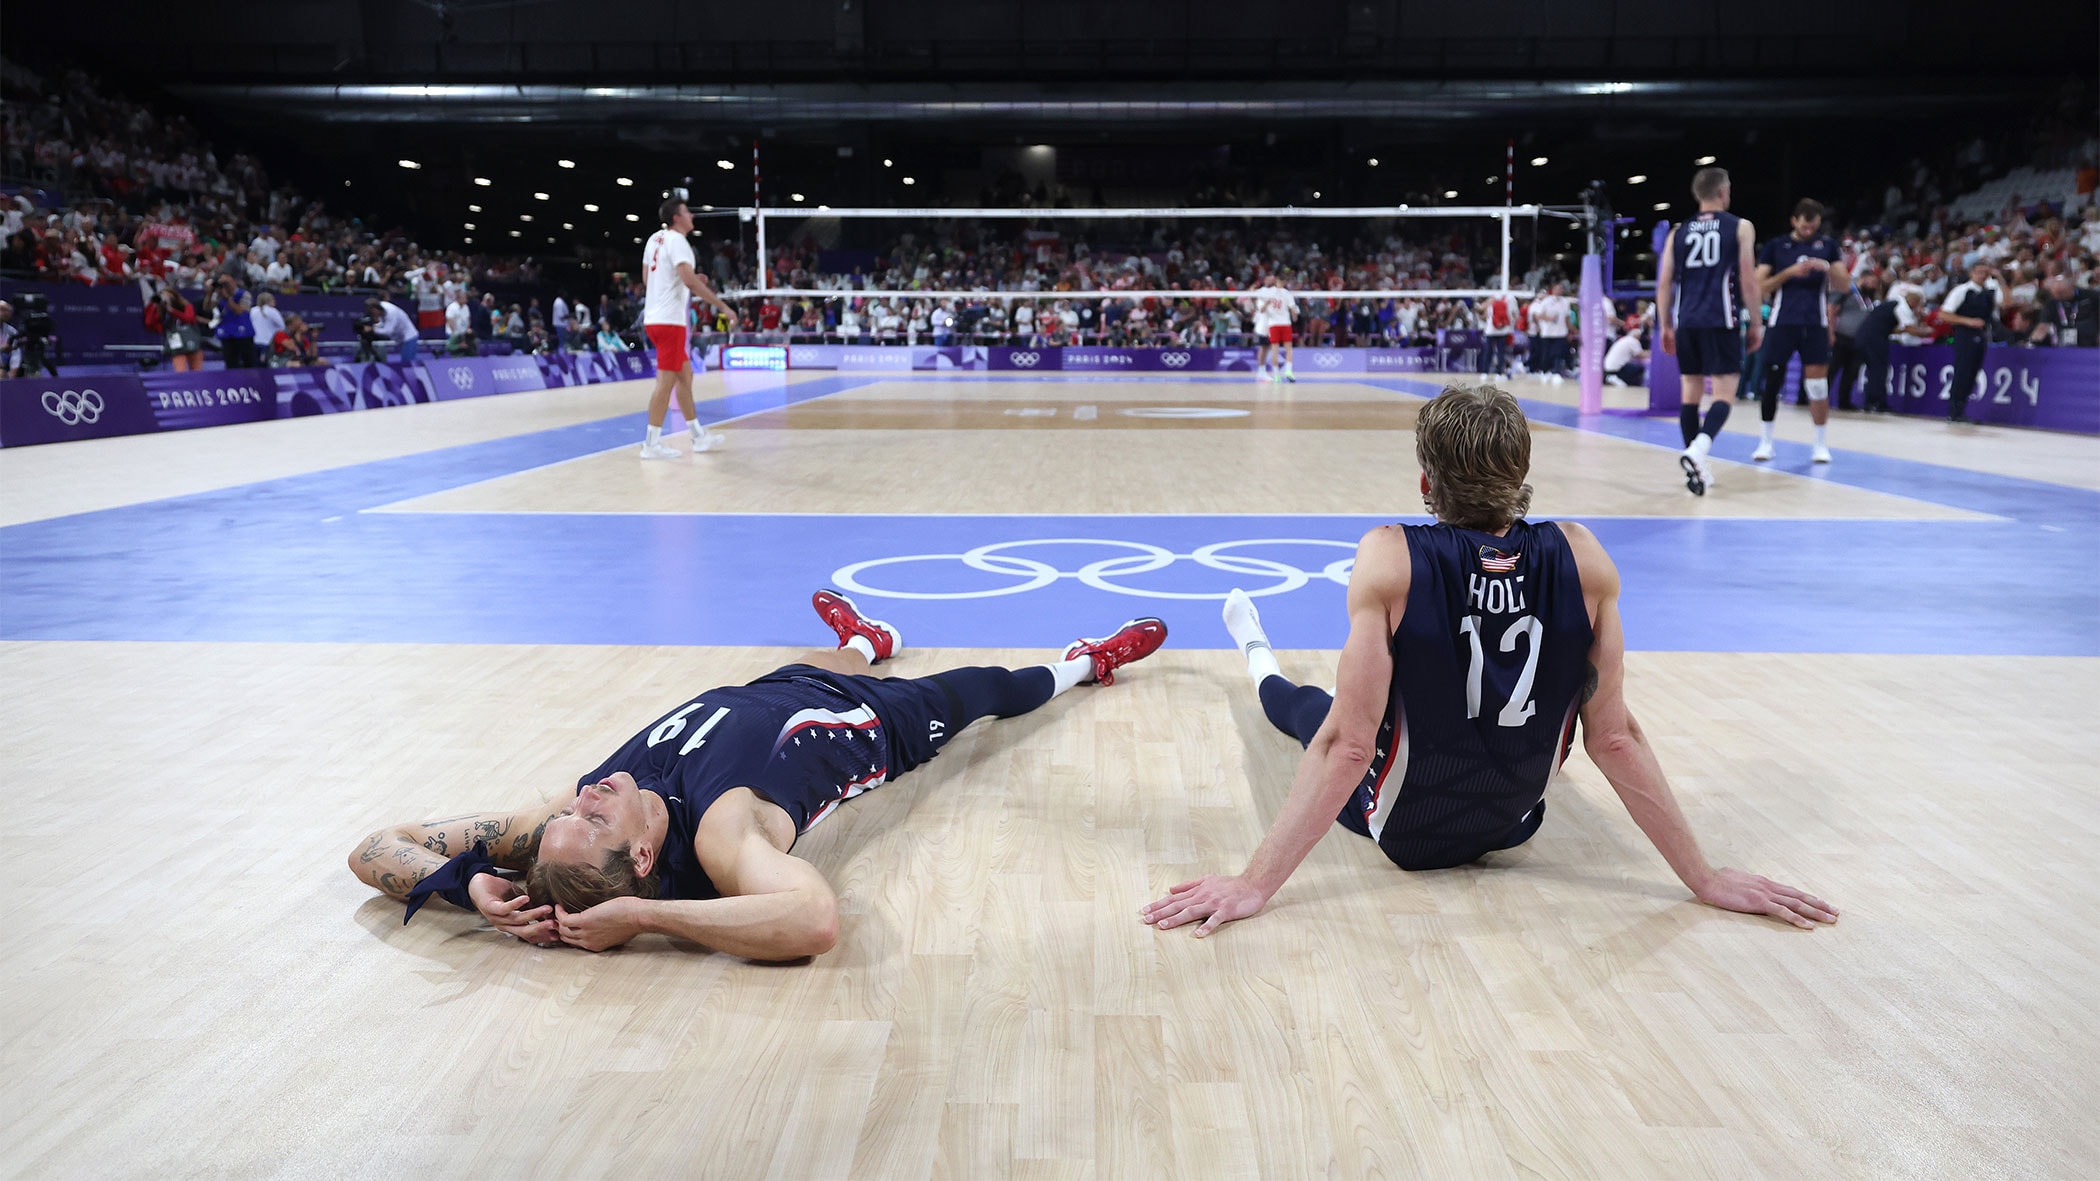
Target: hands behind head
[{"x": 507, "y": 908}]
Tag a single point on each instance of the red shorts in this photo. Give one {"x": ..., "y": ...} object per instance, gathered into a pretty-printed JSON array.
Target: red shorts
[
  {"x": 1279, "y": 334},
  {"x": 669, "y": 340}
]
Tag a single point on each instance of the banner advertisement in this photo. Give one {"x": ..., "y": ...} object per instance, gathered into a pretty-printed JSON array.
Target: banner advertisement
[
  {"x": 453, "y": 378},
  {"x": 2055, "y": 389},
  {"x": 90, "y": 319},
  {"x": 55, "y": 410}
]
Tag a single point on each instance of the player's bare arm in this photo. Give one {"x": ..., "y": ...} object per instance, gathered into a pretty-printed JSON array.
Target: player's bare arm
[
  {"x": 1335, "y": 761},
  {"x": 1616, "y": 743},
  {"x": 1746, "y": 264},
  {"x": 774, "y": 906},
  {"x": 395, "y": 860},
  {"x": 705, "y": 290},
  {"x": 1665, "y": 275}
]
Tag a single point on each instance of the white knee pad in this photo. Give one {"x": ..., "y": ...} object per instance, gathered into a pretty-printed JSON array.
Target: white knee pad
[{"x": 1817, "y": 388}]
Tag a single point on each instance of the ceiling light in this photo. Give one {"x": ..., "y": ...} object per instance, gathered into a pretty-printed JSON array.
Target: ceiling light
[
  {"x": 590, "y": 209},
  {"x": 1316, "y": 194},
  {"x": 1450, "y": 193},
  {"x": 887, "y": 163},
  {"x": 568, "y": 225},
  {"x": 483, "y": 181},
  {"x": 706, "y": 207},
  {"x": 550, "y": 242},
  {"x": 470, "y": 225},
  {"x": 1373, "y": 161},
  {"x": 910, "y": 181},
  {"x": 1538, "y": 161},
  {"x": 1638, "y": 178},
  {"x": 1704, "y": 160},
  {"x": 468, "y": 241},
  {"x": 1661, "y": 206},
  {"x": 516, "y": 234},
  {"x": 346, "y": 184},
  {"x": 1493, "y": 179},
  {"x": 634, "y": 217},
  {"x": 638, "y": 241},
  {"x": 473, "y": 209},
  {"x": 626, "y": 182},
  {"x": 795, "y": 197},
  {"x": 823, "y": 206},
  {"x": 724, "y": 165},
  {"x": 540, "y": 197},
  {"x": 524, "y": 217},
  {"x": 566, "y": 163},
  {"x": 408, "y": 163}
]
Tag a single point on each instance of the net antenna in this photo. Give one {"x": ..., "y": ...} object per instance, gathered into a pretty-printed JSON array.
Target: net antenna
[{"x": 1503, "y": 214}]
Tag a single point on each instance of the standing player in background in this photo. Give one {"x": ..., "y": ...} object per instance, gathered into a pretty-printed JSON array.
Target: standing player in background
[
  {"x": 1699, "y": 303},
  {"x": 1549, "y": 334},
  {"x": 1474, "y": 645},
  {"x": 1274, "y": 309},
  {"x": 667, "y": 267},
  {"x": 1797, "y": 272}
]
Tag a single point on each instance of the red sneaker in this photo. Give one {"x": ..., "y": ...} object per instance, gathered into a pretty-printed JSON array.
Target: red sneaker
[
  {"x": 841, "y": 615},
  {"x": 1132, "y": 642}
]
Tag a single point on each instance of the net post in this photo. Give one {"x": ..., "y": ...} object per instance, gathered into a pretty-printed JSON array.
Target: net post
[
  {"x": 758, "y": 214},
  {"x": 1505, "y": 249},
  {"x": 1591, "y": 376}
]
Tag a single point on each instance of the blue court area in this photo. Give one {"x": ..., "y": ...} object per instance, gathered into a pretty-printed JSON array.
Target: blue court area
[{"x": 300, "y": 559}]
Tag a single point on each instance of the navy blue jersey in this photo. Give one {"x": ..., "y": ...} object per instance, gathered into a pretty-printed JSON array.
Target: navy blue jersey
[
  {"x": 1708, "y": 262},
  {"x": 1489, "y": 663},
  {"x": 1799, "y": 300},
  {"x": 804, "y": 738}
]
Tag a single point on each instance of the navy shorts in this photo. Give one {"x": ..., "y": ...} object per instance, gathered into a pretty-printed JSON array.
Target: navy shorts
[
  {"x": 1782, "y": 341},
  {"x": 1709, "y": 352},
  {"x": 917, "y": 716}
]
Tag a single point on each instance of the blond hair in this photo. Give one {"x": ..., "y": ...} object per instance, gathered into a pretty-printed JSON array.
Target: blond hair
[
  {"x": 574, "y": 886},
  {"x": 1475, "y": 446},
  {"x": 1708, "y": 182}
]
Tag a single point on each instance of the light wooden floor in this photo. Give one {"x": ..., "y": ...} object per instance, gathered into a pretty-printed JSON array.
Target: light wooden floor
[{"x": 197, "y": 987}]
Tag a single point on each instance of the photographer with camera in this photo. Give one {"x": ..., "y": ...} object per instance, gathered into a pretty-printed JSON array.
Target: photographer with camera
[
  {"x": 28, "y": 344},
  {"x": 174, "y": 320},
  {"x": 385, "y": 321},
  {"x": 236, "y": 332}
]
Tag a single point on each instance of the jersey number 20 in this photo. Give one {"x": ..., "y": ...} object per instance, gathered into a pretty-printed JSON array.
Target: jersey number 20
[
  {"x": 1519, "y": 708},
  {"x": 1703, "y": 250}
]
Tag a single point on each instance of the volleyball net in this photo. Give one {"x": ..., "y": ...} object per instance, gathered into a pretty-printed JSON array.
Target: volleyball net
[{"x": 1170, "y": 255}]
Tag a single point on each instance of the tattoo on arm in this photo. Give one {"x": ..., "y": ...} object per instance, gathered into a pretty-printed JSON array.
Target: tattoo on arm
[
  {"x": 435, "y": 842},
  {"x": 489, "y": 831},
  {"x": 1589, "y": 682},
  {"x": 373, "y": 850}
]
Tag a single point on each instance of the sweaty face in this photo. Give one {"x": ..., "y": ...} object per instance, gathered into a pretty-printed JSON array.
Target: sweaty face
[{"x": 604, "y": 816}]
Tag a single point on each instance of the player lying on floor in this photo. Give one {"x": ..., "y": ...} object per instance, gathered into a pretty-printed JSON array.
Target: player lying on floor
[
  {"x": 1473, "y": 645},
  {"x": 686, "y": 830}
]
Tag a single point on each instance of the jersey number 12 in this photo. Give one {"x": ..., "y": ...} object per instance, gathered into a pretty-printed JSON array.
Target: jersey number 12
[{"x": 1519, "y": 708}]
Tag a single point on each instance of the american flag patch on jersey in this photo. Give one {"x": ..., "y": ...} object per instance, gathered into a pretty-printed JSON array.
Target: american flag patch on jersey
[{"x": 1494, "y": 561}]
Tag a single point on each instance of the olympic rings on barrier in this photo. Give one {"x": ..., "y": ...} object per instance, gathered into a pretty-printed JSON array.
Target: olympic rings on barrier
[
  {"x": 1144, "y": 558},
  {"x": 73, "y": 407}
]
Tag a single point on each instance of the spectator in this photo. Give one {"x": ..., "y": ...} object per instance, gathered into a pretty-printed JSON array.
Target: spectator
[
  {"x": 233, "y": 326},
  {"x": 1886, "y": 319},
  {"x": 173, "y": 320},
  {"x": 459, "y": 326},
  {"x": 10, "y": 359},
  {"x": 268, "y": 321},
  {"x": 481, "y": 316},
  {"x": 559, "y": 322},
  {"x": 2070, "y": 315}
]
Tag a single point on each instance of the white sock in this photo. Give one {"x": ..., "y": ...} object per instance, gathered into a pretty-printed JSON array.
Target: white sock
[
  {"x": 655, "y": 436},
  {"x": 861, "y": 645},
  {"x": 1765, "y": 432},
  {"x": 1244, "y": 624},
  {"x": 1068, "y": 673},
  {"x": 1821, "y": 435},
  {"x": 699, "y": 432},
  {"x": 1701, "y": 445}
]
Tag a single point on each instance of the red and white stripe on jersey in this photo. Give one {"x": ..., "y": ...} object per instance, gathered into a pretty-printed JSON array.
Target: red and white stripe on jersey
[
  {"x": 1382, "y": 801},
  {"x": 863, "y": 784},
  {"x": 824, "y": 719}
]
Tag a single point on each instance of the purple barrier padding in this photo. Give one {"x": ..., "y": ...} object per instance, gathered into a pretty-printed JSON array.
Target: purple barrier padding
[
  {"x": 813, "y": 356},
  {"x": 184, "y": 401},
  {"x": 1005, "y": 357},
  {"x": 1664, "y": 380},
  {"x": 2056, "y": 389},
  {"x": 1425, "y": 359},
  {"x": 567, "y": 369},
  {"x": 58, "y": 409},
  {"x": 873, "y": 359},
  {"x": 949, "y": 356},
  {"x": 1589, "y": 370},
  {"x": 452, "y": 378}
]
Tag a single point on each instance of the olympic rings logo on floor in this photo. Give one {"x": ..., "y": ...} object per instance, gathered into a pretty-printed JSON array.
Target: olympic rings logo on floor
[
  {"x": 1138, "y": 558},
  {"x": 73, "y": 407}
]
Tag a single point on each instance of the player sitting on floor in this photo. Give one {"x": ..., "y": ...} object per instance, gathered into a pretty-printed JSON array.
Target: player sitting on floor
[
  {"x": 686, "y": 829},
  {"x": 1473, "y": 644}
]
